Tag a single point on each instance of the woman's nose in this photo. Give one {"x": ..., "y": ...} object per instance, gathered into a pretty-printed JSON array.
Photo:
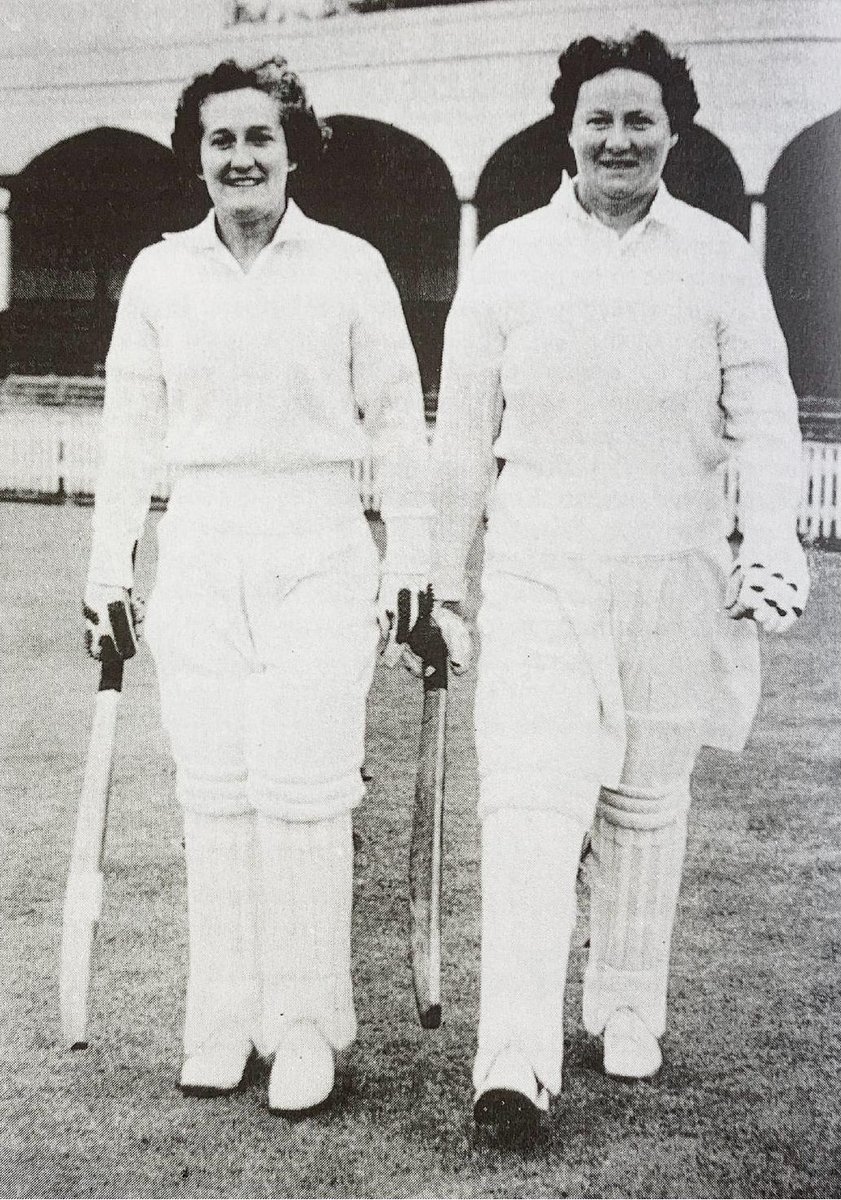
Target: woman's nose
[
  {"x": 242, "y": 154},
  {"x": 617, "y": 136}
]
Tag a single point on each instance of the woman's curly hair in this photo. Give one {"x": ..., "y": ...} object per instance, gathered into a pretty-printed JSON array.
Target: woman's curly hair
[
  {"x": 644, "y": 52},
  {"x": 306, "y": 136}
]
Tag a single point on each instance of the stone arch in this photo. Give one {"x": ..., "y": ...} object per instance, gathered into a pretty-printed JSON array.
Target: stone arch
[
  {"x": 525, "y": 171},
  {"x": 392, "y": 189},
  {"x": 803, "y": 254},
  {"x": 80, "y": 212}
]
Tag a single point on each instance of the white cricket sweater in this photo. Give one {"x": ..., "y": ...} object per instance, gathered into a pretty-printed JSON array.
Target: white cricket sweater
[
  {"x": 624, "y": 371},
  {"x": 303, "y": 360}
]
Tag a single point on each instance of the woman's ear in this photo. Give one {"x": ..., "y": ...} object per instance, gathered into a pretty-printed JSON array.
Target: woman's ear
[
  {"x": 292, "y": 167},
  {"x": 673, "y": 140}
]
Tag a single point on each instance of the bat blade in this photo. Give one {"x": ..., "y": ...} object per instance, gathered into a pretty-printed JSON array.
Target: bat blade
[
  {"x": 83, "y": 895},
  {"x": 425, "y": 851}
]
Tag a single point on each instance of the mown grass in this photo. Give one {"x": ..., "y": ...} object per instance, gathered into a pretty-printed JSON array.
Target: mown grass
[{"x": 746, "y": 1105}]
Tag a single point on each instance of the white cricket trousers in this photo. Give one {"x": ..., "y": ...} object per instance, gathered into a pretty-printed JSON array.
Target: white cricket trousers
[
  {"x": 263, "y": 628},
  {"x": 549, "y": 648}
]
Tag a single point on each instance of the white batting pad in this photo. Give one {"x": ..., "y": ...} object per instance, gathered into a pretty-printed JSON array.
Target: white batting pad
[
  {"x": 635, "y": 878},
  {"x": 221, "y": 988},
  {"x": 306, "y": 894}
]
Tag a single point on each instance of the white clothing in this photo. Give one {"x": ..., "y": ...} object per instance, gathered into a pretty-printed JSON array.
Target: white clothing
[
  {"x": 302, "y": 360},
  {"x": 613, "y": 376},
  {"x": 264, "y": 642},
  {"x": 597, "y": 668},
  {"x": 634, "y": 870},
  {"x": 304, "y": 930},
  {"x": 627, "y": 368},
  {"x": 222, "y": 1011},
  {"x": 528, "y": 914}
]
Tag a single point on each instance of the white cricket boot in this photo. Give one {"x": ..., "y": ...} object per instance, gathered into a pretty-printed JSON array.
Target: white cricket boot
[
  {"x": 221, "y": 987},
  {"x": 631, "y": 1051},
  {"x": 305, "y": 926},
  {"x": 303, "y": 1072}
]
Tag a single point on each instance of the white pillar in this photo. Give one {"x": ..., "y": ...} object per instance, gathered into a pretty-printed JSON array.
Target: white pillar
[
  {"x": 468, "y": 235},
  {"x": 758, "y": 223}
]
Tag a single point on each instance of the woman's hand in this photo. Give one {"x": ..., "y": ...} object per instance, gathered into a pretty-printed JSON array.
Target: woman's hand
[
  {"x": 109, "y": 616},
  {"x": 398, "y": 609},
  {"x": 448, "y": 617},
  {"x": 769, "y": 587}
]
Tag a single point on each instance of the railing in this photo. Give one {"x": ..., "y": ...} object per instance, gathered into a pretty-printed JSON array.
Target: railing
[{"x": 48, "y": 452}]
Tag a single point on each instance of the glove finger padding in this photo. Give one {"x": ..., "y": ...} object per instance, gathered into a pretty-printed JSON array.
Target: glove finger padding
[
  {"x": 109, "y": 623},
  {"x": 772, "y": 596},
  {"x": 457, "y": 636},
  {"x": 402, "y": 613}
]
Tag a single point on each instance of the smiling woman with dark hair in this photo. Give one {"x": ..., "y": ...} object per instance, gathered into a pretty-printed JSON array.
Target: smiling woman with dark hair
[
  {"x": 304, "y": 134},
  {"x": 263, "y": 353},
  {"x": 612, "y": 349}
]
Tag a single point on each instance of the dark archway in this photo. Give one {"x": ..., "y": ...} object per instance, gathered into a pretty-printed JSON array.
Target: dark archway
[
  {"x": 390, "y": 188},
  {"x": 803, "y": 255},
  {"x": 525, "y": 171},
  {"x": 80, "y": 212}
]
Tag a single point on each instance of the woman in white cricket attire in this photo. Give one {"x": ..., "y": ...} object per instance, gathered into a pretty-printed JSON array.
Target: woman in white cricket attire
[
  {"x": 612, "y": 349},
  {"x": 267, "y": 353}
]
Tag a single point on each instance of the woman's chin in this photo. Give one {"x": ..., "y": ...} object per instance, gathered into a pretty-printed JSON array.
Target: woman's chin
[{"x": 245, "y": 209}]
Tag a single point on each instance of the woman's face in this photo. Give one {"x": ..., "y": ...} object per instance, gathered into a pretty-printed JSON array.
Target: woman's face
[
  {"x": 620, "y": 137},
  {"x": 244, "y": 160}
]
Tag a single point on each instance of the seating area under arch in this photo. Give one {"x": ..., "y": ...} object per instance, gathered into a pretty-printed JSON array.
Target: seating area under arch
[
  {"x": 525, "y": 171},
  {"x": 392, "y": 189},
  {"x": 803, "y": 199},
  {"x": 80, "y": 212}
]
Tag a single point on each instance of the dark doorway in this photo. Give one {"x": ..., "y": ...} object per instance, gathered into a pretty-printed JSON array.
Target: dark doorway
[
  {"x": 803, "y": 255},
  {"x": 390, "y": 188},
  {"x": 80, "y": 212}
]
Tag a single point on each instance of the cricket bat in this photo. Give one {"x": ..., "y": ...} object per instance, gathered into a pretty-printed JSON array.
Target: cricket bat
[
  {"x": 83, "y": 897},
  {"x": 427, "y": 824}
]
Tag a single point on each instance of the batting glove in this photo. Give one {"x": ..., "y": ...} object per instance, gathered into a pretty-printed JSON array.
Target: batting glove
[
  {"x": 770, "y": 589},
  {"x": 398, "y": 608},
  {"x": 447, "y": 616},
  {"x": 110, "y": 617}
]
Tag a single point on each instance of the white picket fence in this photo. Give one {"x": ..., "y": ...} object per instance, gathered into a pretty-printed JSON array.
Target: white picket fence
[{"x": 50, "y": 452}]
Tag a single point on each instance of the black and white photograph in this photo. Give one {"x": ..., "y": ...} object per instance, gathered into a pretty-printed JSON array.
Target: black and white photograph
[{"x": 420, "y": 598}]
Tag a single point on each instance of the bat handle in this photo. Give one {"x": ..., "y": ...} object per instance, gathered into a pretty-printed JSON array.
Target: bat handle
[
  {"x": 111, "y": 669},
  {"x": 434, "y": 660}
]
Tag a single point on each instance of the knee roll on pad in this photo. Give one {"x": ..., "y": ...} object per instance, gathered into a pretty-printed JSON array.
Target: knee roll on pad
[
  {"x": 212, "y": 795},
  {"x": 637, "y": 808}
]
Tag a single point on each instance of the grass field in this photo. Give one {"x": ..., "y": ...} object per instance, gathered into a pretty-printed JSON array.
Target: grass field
[{"x": 746, "y": 1105}]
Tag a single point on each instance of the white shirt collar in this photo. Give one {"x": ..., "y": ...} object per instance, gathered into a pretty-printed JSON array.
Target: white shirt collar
[
  {"x": 664, "y": 207},
  {"x": 293, "y": 225}
]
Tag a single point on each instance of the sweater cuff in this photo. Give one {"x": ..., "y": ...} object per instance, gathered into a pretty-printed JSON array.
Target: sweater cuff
[
  {"x": 111, "y": 567},
  {"x": 449, "y": 585},
  {"x": 407, "y": 545}
]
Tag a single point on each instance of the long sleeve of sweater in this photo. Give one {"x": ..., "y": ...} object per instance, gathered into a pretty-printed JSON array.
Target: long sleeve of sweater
[
  {"x": 760, "y": 406},
  {"x": 387, "y": 390},
  {"x": 469, "y": 415},
  {"x": 131, "y": 442}
]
